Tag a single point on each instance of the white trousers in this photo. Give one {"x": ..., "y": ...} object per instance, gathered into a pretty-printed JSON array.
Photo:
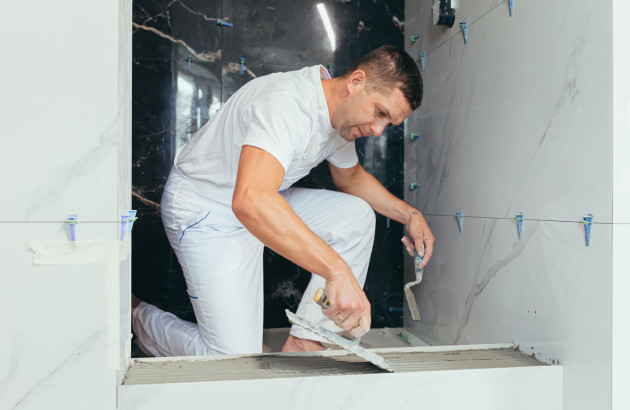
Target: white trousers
[{"x": 223, "y": 268}]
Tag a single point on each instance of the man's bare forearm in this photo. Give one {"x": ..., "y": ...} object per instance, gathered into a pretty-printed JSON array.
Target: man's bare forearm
[
  {"x": 356, "y": 181},
  {"x": 366, "y": 187},
  {"x": 270, "y": 219}
]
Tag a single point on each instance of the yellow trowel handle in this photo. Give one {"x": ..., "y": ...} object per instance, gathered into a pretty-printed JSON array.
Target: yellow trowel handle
[{"x": 321, "y": 299}]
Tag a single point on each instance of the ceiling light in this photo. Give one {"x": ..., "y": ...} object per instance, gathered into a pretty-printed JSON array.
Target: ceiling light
[{"x": 326, "y": 20}]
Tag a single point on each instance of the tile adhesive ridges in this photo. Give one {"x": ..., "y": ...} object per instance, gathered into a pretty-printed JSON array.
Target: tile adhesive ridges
[{"x": 265, "y": 366}]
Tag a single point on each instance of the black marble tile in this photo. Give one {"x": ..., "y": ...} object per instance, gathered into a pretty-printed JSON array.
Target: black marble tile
[
  {"x": 185, "y": 66},
  {"x": 194, "y": 22},
  {"x": 276, "y": 32},
  {"x": 155, "y": 273}
]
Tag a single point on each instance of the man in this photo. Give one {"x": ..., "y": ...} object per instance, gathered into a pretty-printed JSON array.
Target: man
[{"x": 228, "y": 195}]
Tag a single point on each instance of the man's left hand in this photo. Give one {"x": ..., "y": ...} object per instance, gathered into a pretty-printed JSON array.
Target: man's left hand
[{"x": 421, "y": 238}]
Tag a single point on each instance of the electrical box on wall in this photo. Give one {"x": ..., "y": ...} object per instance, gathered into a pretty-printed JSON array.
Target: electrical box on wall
[{"x": 444, "y": 12}]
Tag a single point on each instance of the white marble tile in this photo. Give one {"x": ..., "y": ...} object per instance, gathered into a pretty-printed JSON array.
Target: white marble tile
[
  {"x": 124, "y": 168},
  {"x": 621, "y": 318},
  {"x": 60, "y": 111},
  {"x": 518, "y": 119},
  {"x": 54, "y": 325},
  {"x": 67, "y": 133},
  {"x": 419, "y": 20},
  {"x": 547, "y": 292},
  {"x": 471, "y": 389},
  {"x": 124, "y": 105},
  {"x": 621, "y": 115},
  {"x": 621, "y": 207},
  {"x": 124, "y": 332}
]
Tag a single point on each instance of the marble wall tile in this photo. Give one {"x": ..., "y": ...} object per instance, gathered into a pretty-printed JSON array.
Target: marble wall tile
[
  {"x": 511, "y": 126},
  {"x": 67, "y": 122},
  {"x": 547, "y": 293},
  {"x": 123, "y": 128},
  {"x": 396, "y": 391},
  {"x": 519, "y": 120},
  {"x": 419, "y": 20},
  {"x": 124, "y": 169},
  {"x": 620, "y": 317},
  {"x": 59, "y": 113},
  {"x": 277, "y": 33},
  {"x": 621, "y": 205},
  {"x": 55, "y": 326}
]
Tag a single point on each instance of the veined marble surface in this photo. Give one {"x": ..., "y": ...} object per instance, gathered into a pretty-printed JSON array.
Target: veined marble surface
[
  {"x": 547, "y": 293},
  {"x": 54, "y": 326},
  {"x": 518, "y": 120},
  {"x": 419, "y": 21},
  {"x": 124, "y": 169},
  {"x": 67, "y": 143},
  {"x": 59, "y": 112},
  {"x": 621, "y": 206},
  {"x": 490, "y": 389}
]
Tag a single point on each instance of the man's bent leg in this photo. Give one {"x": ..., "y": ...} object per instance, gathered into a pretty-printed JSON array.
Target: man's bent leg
[
  {"x": 346, "y": 223},
  {"x": 222, "y": 264}
]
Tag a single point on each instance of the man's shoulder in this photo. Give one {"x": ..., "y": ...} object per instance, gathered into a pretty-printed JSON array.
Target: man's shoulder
[{"x": 299, "y": 83}]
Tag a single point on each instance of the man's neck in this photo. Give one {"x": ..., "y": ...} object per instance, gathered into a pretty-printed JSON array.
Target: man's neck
[{"x": 333, "y": 92}]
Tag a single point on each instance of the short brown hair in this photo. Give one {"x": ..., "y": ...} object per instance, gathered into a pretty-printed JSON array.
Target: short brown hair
[{"x": 389, "y": 67}]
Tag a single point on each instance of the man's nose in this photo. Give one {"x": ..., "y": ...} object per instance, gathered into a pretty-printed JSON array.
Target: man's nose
[{"x": 377, "y": 129}]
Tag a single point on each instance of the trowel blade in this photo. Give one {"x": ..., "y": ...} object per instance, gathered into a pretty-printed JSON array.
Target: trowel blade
[
  {"x": 339, "y": 341},
  {"x": 411, "y": 301},
  {"x": 411, "y": 298}
]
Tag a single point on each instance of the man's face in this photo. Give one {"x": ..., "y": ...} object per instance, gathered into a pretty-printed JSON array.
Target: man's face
[{"x": 361, "y": 113}]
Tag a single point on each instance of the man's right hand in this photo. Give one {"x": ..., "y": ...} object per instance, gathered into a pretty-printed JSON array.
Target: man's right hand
[{"x": 348, "y": 304}]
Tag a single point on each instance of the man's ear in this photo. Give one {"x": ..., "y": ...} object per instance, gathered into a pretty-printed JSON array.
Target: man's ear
[{"x": 356, "y": 81}]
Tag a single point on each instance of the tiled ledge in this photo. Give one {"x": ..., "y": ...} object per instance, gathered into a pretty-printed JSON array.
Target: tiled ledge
[
  {"x": 490, "y": 377},
  {"x": 325, "y": 363}
]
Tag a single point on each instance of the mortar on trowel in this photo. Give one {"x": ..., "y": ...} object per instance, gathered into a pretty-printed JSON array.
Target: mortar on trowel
[{"x": 349, "y": 345}]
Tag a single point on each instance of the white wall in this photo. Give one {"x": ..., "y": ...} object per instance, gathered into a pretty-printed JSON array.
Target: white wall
[
  {"x": 65, "y": 98},
  {"x": 621, "y": 205},
  {"x": 519, "y": 119}
]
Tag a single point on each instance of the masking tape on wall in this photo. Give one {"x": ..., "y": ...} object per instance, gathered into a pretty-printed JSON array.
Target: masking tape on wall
[
  {"x": 110, "y": 253},
  {"x": 128, "y": 349}
]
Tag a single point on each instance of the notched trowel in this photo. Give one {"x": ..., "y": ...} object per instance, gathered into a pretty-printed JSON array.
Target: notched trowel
[
  {"x": 411, "y": 298},
  {"x": 334, "y": 338}
]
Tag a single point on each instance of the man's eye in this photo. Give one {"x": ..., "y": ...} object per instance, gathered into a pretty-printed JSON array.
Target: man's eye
[{"x": 381, "y": 113}]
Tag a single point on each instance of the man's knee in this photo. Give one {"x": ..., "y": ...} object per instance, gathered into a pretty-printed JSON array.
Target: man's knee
[
  {"x": 361, "y": 212},
  {"x": 355, "y": 221}
]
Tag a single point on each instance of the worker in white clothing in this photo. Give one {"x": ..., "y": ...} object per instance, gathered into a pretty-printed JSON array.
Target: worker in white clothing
[{"x": 229, "y": 194}]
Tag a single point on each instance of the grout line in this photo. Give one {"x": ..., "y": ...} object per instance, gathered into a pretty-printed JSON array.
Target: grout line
[
  {"x": 528, "y": 219},
  {"x": 425, "y": 214},
  {"x": 57, "y": 222},
  {"x": 459, "y": 31}
]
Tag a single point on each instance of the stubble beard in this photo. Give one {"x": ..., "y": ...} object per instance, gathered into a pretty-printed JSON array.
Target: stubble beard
[{"x": 347, "y": 134}]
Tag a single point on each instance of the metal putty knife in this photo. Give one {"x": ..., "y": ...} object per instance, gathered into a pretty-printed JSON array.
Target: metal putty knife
[{"x": 411, "y": 299}]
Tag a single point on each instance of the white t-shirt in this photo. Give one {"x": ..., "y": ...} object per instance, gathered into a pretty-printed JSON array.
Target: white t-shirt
[{"x": 284, "y": 114}]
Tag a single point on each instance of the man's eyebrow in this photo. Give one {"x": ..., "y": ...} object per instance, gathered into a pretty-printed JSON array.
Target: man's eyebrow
[
  {"x": 385, "y": 110},
  {"x": 401, "y": 121}
]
